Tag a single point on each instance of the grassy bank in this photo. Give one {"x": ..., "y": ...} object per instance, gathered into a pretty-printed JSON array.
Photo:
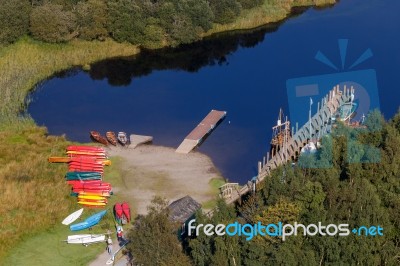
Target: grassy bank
[
  {"x": 33, "y": 194},
  {"x": 271, "y": 11},
  {"x": 47, "y": 247}
]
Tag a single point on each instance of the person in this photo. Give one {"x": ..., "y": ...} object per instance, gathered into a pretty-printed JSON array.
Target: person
[
  {"x": 120, "y": 235},
  {"x": 109, "y": 245}
]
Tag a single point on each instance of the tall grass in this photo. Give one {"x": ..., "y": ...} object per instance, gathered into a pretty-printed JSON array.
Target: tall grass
[
  {"x": 28, "y": 62},
  {"x": 33, "y": 193}
]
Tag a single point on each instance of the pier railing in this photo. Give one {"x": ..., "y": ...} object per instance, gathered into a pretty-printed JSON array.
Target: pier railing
[{"x": 328, "y": 106}]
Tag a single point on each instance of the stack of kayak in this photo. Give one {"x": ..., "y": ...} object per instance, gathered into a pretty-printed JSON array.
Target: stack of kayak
[
  {"x": 86, "y": 158},
  {"x": 85, "y": 174}
]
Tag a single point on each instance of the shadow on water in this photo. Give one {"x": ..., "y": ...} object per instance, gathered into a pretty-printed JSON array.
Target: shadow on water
[{"x": 210, "y": 51}]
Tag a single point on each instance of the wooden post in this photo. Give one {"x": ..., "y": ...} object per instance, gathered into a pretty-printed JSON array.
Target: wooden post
[
  {"x": 297, "y": 126},
  {"x": 259, "y": 167},
  {"x": 263, "y": 161},
  {"x": 267, "y": 157}
]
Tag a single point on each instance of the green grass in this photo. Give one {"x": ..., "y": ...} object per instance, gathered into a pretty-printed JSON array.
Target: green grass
[
  {"x": 48, "y": 247},
  {"x": 214, "y": 183}
]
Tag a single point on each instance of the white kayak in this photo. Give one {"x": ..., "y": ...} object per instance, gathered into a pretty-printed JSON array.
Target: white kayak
[
  {"x": 85, "y": 239},
  {"x": 72, "y": 217}
]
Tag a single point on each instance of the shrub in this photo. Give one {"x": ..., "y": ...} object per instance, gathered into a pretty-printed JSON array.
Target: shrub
[
  {"x": 14, "y": 19},
  {"x": 51, "y": 23}
]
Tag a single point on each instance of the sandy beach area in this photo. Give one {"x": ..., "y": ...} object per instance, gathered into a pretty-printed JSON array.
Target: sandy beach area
[{"x": 151, "y": 170}]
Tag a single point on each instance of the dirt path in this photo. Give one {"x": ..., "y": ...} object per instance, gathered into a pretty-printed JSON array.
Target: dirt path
[{"x": 153, "y": 170}]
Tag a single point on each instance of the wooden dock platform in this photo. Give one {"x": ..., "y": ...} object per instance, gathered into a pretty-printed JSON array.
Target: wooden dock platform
[
  {"x": 136, "y": 140},
  {"x": 202, "y": 130}
]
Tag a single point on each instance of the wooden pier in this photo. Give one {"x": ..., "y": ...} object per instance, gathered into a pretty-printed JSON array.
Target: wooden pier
[
  {"x": 329, "y": 105},
  {"x": 201, "y": 131}
]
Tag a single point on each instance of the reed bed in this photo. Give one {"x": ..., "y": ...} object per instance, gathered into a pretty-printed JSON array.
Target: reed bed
[{"x": 33, "y": 193}]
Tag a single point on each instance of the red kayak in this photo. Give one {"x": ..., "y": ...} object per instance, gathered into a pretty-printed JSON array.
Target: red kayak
[
  {"x": 127, "y": 211},
  {"x": 75, "y": 182},
  {"x": 118, "y": 210},
  {"x": 74, "y": 168},
  {"x": 92, "y": 190},
  {"x": 85, "y": 148},
  {"x": 92, "y": 186},
  {"x": 94, "y": 164}
]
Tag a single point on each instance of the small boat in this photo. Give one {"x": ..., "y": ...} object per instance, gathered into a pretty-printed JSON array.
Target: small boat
[
  {"x": 118, "y": 211},
  {"x": 54, "y": 159},
  {"x": 111, "y": 138},
  {"x": 122, "y": 138},
  {"x": 83, "y": 193},
  {"x": 91, "y": 197},
  {"x": 85, "y": 148},
  {"x": 90, "y": 221},
  {"x": 83, "y": 175},
  {"x": 86, "y": 239},
  {"x": 90, "y": 204},
  {"x": 127, "y": 211},
  {"x": 99, "y": 138},
  {"x": 72, "y": 217},
  {"x": 309, "y": 148},
  {"x": 347, "y": 111}
]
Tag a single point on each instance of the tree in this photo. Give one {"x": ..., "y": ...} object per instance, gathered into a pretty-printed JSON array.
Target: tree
[
  {"x": 154, "y": 239},
  {"x": 92, "y": 19},
  {"x": 14, "y": 19},
  {"x": 225, "y": 11},
  {"x": 51, "y": 23},
  {"x": 247, "y": 4},
  {"x": 126, "y": 21}
]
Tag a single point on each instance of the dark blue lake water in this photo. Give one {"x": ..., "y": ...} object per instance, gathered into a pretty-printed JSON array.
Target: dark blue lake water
[{"x": 166, "y": 93}]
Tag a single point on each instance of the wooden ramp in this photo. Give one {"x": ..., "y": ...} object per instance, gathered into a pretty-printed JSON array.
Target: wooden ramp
[
  {"x": 136, "y": 140},
  {"x": 203, "y": 129}
]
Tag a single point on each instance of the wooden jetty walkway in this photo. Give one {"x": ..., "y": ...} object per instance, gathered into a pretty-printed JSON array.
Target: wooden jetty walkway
[
  {"x": 136, "y": 140},
  {"x": 202, "y": 130},
  {"x": 329, "y": 105}
]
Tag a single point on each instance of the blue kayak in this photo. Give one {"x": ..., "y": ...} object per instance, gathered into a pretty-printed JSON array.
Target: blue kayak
[{"x": 89, "y": 222}]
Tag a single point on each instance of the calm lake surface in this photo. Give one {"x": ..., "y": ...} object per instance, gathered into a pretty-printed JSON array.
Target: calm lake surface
[{"x": 167, "y": 93}]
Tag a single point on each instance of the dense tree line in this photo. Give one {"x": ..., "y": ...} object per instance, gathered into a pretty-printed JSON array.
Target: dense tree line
[
  {"x": 342, "y": 191},
  {"x": 150, "y": 23}
]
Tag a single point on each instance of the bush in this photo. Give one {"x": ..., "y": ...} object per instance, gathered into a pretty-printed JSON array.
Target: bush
[
  {"x": 14, "y": 19},
  {"x": 225, "y": 11},
  {"x": 51, "y": 23},
  {"x": 126, "y": 22},
  {"x": 92, "y": 19},
  {"x": 247, "y": 4}
]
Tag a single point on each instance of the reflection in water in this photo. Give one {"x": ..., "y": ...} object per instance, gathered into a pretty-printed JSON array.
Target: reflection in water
[{"x": 210, "y": 51}]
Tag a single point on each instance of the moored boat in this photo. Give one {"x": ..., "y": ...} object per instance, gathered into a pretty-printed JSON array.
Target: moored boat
[
  {"x": 111, "y": 137},
  {"x": 127, "y": 211},
  {"x": 118, "y": 211},
  {"x": 98, "y": 137},
  {"x": 90, "y": 221},
  {"x": 72, "y": 217},
  {"x": 85, "y": 239},
  {"x": 122, "y": 138}
]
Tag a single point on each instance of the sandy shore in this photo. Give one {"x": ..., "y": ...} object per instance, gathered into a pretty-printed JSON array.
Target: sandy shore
[
  {"x": 154, "y": 170},
  {"x": 151, "y": 170}
]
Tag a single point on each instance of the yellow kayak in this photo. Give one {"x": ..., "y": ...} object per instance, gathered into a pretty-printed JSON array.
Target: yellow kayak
[
  {"x": 91, "y": 203},
  {"x": 91, "y": 197},
  {"x": 103, "y": 194}
]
